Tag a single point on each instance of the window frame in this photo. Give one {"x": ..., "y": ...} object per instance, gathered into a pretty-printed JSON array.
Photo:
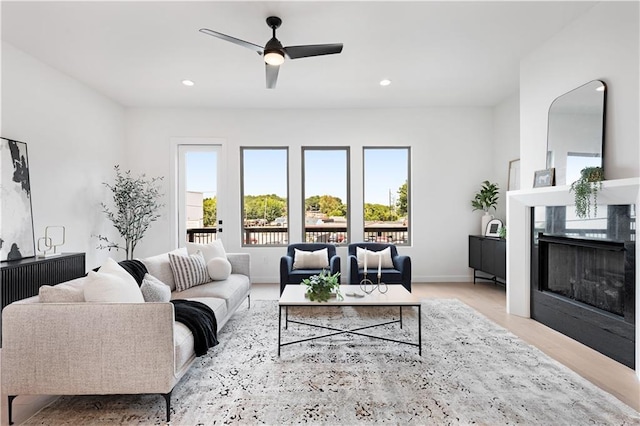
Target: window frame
[
  {"x": 347, "y": 151},
  {"x": 243, "y": 149},
  {"x": 409, "y": 188}
]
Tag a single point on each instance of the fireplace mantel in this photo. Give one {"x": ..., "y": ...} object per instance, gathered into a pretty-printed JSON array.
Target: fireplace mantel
[{"x": 619, "y": 191}]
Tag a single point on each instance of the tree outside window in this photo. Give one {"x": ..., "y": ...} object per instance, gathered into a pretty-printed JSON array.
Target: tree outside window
[{"x": 386, "y": 195}]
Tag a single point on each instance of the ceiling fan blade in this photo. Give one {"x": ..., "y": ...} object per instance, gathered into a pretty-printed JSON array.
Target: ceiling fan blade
[
  {"x": 272, "y": 75},
  {"x": 233, "y": 40},
  {"x": 295, "y": 52}
]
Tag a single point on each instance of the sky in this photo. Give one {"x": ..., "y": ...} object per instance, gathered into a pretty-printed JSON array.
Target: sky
[
  {"x": 265, "y": 172},
  {"x": 200, "y": 171}
]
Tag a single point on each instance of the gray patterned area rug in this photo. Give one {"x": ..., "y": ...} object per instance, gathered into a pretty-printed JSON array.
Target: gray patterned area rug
[{"x": 471, "y": 372}]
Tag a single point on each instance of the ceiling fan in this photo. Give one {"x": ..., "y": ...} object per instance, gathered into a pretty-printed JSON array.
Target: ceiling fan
[{"x": 274, "y": 52}]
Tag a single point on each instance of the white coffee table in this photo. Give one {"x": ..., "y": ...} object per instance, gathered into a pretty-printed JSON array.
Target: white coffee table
[{"x": 396, "y": 296}]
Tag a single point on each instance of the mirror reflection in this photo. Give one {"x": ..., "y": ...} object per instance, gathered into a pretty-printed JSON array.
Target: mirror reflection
[{"x": 575, "y": 137}]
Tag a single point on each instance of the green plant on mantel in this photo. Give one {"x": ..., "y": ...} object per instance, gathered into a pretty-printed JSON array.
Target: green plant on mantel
[
  {"x": 136, "y": 207},
  {"x": 586, "y": 188},
  {"x": 486, "y": 198},
  {"x": 322, "y": 286}
]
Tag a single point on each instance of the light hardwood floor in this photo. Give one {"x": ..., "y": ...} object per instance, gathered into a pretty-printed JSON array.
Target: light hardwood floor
[{"x": 489, "y": 300}]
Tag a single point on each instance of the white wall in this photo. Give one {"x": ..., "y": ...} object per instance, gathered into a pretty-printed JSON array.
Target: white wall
[
  {"x": 451, "y": 149},
  {"x": 600, "y": 45},
  {"x": 74, "y": 138},
  {"x": 506, "y": 147}
]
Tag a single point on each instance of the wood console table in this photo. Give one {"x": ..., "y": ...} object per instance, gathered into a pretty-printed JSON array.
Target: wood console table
[
  {"x": 22, "y": 278},
  {"x": 489, "y": 256}
]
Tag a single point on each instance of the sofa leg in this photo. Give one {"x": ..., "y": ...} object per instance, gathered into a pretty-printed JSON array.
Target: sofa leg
[
  {"x": 249, "y": 301},
  {"x": 167, "y": 398},
  {"x": 10, "y": 399}
]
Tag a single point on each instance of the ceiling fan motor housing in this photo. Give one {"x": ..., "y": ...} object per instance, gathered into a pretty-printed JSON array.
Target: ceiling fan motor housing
[{"x": 274, "y": 53}]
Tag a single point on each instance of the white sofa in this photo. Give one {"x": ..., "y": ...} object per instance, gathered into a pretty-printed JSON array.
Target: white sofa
[{"x": 110, "y": 348}]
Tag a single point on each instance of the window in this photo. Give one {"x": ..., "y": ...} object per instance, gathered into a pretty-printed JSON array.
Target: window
[
  {"x": 325, "y": 192},
  {"x": 265, "y": 206},
  {"x": 198, "y": 192},
  {"x": 386, "y": 195}
]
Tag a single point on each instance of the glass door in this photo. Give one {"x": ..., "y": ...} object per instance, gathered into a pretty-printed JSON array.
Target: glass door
[{"x": 199, "y": 219}]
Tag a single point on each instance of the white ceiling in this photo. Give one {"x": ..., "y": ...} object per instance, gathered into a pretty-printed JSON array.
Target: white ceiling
[{"x": 435, "y": 53}]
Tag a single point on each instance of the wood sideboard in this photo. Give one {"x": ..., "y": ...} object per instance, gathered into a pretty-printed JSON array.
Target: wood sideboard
[
  {"x": 23, "y": 278},
  {"x": 489, "y": 256}
]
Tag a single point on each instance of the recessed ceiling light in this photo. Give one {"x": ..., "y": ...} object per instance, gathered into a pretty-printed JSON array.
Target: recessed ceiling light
[
  {"x": 188, "y": 83},
  {"x": 385, "y": 82}
]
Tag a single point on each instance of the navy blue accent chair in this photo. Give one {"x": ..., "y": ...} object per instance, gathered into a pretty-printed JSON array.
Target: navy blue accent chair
[
  {"x": 288, "y": 275},
  {"x": 399, "y": 274}
]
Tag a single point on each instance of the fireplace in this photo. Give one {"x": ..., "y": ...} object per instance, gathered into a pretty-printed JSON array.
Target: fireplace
[
  {"x": 522, "y": 249},
  {"x": 584, "y": 286}
]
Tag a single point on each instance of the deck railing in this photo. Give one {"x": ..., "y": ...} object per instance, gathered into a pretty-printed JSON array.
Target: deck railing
[
  {"x": 202, "y": 235},
  {"x": 278, "y": 235}
]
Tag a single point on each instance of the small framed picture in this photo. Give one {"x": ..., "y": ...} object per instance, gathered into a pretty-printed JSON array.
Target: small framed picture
[
  {"x": 513, "y": 180},
  {"x": 493, "y": 228},
  {"x": 546, "y": 177}
]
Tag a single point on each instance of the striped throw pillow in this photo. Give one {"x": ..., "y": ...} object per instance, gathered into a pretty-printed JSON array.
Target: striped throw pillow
[{"x": 188, "y": 271}]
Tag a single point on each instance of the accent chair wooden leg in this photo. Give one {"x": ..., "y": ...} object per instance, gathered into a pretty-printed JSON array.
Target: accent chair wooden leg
[
  {"x": 249, "y": 301},
  {"x": 10, "y": 399},
  {"x": 167, "y": 398}
]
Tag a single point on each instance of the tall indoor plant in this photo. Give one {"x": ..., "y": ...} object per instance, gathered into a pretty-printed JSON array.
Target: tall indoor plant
[
  {"x": 484, "y": 200},
  {"x": 136, "y": 206},
  {"x": 585, "y": 189}
]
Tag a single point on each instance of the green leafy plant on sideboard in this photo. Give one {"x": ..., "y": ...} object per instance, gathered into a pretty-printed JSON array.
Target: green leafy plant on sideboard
[{"x": 486, "y": 198}]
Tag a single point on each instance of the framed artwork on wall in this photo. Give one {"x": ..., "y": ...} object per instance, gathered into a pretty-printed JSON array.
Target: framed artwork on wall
[
  {"x": 544, "y": 177},
  {"x": 16, "y": 217},
  {"x": 513, "y": 181}
]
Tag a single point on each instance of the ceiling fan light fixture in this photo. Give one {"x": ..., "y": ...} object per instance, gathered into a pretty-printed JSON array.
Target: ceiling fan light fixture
[{"x": 274, "y": 57}]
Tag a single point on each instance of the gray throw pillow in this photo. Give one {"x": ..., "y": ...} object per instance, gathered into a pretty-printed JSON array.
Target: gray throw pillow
[{"x": 154, "y": 290}]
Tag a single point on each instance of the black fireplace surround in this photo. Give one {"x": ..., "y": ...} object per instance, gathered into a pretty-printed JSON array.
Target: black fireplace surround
[{"x": 584, "y": 286}]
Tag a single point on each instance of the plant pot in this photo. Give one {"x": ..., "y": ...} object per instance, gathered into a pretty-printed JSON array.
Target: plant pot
[{"x": 486, "y": 218}]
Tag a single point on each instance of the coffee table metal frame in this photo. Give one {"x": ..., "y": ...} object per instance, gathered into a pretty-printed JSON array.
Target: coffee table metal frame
[{"x": 398, "y": 296}]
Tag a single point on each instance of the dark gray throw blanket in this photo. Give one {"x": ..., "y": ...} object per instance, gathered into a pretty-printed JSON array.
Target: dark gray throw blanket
[
  {"x": 198, "y": 317},
  {"x": 201, "y": 320}
]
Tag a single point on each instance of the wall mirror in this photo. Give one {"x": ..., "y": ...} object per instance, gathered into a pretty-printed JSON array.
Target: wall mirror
[{"x": 575, "y": 135}]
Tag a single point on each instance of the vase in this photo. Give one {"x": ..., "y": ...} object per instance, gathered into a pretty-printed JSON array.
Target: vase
[{"x": 486, "y": 218}]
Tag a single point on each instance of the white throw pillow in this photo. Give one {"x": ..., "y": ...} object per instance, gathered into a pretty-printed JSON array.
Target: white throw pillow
[
  {"x": 373, "y": 257},
  {"x": 61, "y": 293},
  {"x": 310, "y": 259},
  {"x": 154, "y": 290},
  {"x": 112, "y": 284},
  {"x": 219, "y": 268},
  {"x": 188, "y": 271},
  {"x": 209, "y": 251},
  {"x": 159, "y": 267}
]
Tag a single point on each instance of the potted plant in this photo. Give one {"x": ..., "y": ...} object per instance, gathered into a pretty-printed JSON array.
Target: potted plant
[
  {"x": 322, "y": 286},
  {"x": 484, "y": 200},
  {"x": 585, "y": 189},
  {"x": 136, "y": 207}
]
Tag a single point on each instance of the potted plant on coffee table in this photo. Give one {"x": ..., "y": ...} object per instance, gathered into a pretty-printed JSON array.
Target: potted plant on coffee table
[{"x": 323, "y": 286}]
